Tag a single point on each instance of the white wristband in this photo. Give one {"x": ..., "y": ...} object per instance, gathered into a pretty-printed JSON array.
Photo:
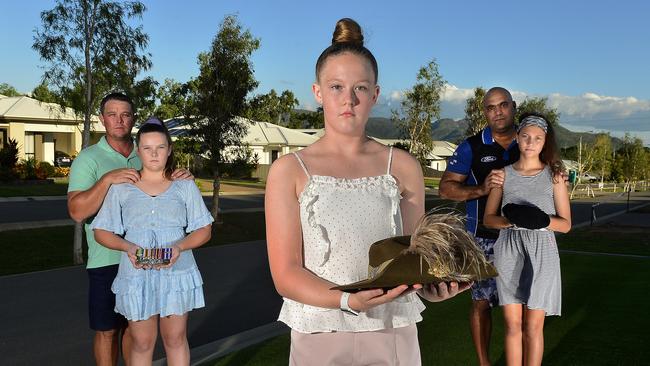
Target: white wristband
[{"x": 344, "y": 305}]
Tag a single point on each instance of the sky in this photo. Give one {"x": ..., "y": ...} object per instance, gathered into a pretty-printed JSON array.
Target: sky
[{"x": 591, "y": 59}]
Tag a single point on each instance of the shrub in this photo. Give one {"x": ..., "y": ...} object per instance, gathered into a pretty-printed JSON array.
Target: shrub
[
  {"x": 44, "y": 170},
  {"x": 9, "y": 155},
  {"x": 26, "y": 169},
  {"x": 242, "y": 163},
  {"x": 61, "y": 172}
]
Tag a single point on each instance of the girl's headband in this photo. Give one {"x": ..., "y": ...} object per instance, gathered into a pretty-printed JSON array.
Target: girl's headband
[
  {"x": 153, "y": 121},
  {"x": 533, "y": 121}
]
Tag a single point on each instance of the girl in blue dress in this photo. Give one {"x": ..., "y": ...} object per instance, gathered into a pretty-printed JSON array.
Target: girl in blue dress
[{"x": 155, "y": 212}]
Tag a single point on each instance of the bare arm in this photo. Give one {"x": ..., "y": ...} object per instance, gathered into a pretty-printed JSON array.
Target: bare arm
[
  {"x": 112, "y": 241},
  {"x": 116, "y": 242},
  {"x": 284, "y": 243},
  {"x": 83, "y": 204},
  {"x": 491, "y": 217},
  {"x": 408, "y": 172},
  {"x": 195, "y": 239},
  {"x": 453, "y": 186},
  {"x": 561, "y": 222}
]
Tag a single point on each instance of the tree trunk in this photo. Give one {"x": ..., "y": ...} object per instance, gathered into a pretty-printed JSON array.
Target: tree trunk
[
  {"x": 77, "y": 251},
  {"x": 216, "y": 186}
]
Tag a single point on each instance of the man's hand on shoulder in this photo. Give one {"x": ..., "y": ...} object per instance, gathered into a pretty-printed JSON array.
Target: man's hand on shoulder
[
  {"x": 123, "y": 175},
  {"x": 182, "y": 174},
  {"x": 494, "y": 180}
]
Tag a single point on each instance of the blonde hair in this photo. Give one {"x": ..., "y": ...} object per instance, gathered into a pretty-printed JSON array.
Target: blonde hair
[{"x": 347, "y": 37}]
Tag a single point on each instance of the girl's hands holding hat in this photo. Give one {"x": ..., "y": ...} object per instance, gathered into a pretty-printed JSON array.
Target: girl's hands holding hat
[{"x": 443, "y": 290}]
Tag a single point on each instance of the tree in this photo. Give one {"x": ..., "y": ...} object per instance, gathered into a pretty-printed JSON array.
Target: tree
[
  {"x": 43, "y": 93},
  {"x": 631, "y": 160},
  {"x": 219, "y": 95},
  {"x": 420, "y": 106},
  {"x": 271, "y": 107},
  {"x": 90, "y": 48},
  {"x": 307, "y": 119},
  {"x": 185, "y": 148},
  {"x": 601, "y": 155},
  {"x": 474, "y": 116},
  {"x": 538, "y": 105},
  {"x": 172, "y": 98},
  {"x": 8, "y": 90}
]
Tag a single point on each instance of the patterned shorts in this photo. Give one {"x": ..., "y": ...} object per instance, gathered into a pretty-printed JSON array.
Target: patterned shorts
[{"x": 486, "y": 289}]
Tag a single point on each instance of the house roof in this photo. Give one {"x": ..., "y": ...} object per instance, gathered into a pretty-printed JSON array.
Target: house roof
[
  {"x": 443, "y": 148},
  {"x": 259, "y": 133},
  {"x": 26, "y": 109},
  {"x": 265, "y": 133}
]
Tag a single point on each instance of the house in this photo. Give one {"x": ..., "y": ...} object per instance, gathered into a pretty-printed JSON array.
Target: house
[
  {"x": 269, "y": 141},
  {"x": 437, "y": 158},
  {"x": 43, "y": 128}
]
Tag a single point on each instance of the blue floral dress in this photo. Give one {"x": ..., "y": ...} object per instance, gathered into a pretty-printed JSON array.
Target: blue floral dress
[{"x": 155, "y": 222}]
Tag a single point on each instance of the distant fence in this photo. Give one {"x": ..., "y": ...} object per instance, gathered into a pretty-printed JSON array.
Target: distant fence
[{"x": 590, "y": 189}]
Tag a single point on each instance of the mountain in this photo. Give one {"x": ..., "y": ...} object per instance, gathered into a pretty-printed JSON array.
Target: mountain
[
  {"x": 383, "y": 128},
  {"x": 447, "y": 129}
]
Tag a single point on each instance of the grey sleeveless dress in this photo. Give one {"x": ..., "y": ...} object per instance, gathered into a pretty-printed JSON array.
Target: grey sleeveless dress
[{"x": 527, "y": 260}]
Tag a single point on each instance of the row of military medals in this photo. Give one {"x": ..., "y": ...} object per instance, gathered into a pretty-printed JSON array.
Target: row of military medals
[{"x": 153, "y": 256}]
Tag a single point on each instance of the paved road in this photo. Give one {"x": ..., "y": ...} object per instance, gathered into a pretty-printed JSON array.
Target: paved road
[
  {"x": 56, "y": 209},
  {"x": 43, "y": 315}
]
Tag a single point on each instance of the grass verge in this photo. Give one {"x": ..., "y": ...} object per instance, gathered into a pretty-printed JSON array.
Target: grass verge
[
  {"x": 22, "y": 190},
  {"x": 602, "y": 322},
  {"x": 431, "y": 182},
  {"x": 47, "y": 248}
]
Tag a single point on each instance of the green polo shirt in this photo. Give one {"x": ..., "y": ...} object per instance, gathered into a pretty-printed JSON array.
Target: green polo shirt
[{"x": 87, "y": 168}]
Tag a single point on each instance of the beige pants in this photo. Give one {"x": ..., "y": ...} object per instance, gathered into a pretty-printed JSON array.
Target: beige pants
[{"x": 390, "y": 347}]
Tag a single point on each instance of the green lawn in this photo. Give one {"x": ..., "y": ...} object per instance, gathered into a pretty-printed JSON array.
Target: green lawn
[
  {"x": 244, "y": 183},
  {"x": 39, "y": 249},
  {"x": 604, "y": 320},
  {"x": 431, "y": 182},
  {"x": 59, "y": 188}
]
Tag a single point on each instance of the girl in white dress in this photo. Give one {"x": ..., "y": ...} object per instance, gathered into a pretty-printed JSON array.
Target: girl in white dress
[{"x": 326, "y": 205}]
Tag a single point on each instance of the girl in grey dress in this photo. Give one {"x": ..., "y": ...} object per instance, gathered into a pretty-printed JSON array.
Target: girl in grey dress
[{"x": 534, "y": 202}]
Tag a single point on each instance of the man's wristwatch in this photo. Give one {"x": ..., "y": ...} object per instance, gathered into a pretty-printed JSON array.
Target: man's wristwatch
[{"x": 345, "y": 307}]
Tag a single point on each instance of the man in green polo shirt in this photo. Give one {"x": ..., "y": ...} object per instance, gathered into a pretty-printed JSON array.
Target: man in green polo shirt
[{"x": 112, "y": 160}]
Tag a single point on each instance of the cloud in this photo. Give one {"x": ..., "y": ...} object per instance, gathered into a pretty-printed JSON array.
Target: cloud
[
  {"x": 589, "y": 105},
  {"x": 310, "y": 106},
  {"x": 455, "y": 95},
  {"x": 585, "y": 112},
  {"x": 396, "y": 95}
]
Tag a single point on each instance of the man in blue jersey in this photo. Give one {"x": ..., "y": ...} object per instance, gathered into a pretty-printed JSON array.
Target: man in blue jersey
[{"x": 474, "y": 169}]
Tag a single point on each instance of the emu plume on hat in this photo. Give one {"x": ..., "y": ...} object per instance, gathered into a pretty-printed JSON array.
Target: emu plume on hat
[{"x": 440, "y": 250}]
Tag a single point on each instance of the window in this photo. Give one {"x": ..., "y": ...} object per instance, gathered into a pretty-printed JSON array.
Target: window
[{"x": 29, "y": 146}]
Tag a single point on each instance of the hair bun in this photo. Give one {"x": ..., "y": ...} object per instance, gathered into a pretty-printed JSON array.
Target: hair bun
[{"x": 347, "y": 31}]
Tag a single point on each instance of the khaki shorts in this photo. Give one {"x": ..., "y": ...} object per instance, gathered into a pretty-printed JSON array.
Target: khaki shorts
[{"x": 396, "y": 346}]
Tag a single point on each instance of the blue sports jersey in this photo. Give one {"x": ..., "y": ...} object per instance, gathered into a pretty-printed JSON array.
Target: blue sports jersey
[{"x": 475, "y": 158}]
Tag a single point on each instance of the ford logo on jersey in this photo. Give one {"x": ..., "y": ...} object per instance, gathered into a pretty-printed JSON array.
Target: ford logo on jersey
[{"x": 488, "y": 159}]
